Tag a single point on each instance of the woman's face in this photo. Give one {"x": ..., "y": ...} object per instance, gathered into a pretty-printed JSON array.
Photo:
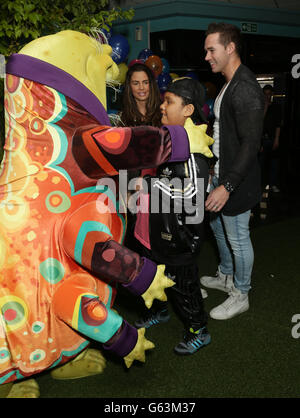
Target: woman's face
[{"x": 139, "y": 84}]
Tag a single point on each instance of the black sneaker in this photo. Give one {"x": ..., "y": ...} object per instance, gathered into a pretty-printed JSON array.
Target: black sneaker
[
  {"x": 152, "y": 318},
  {"x": 193, "y": 341}
]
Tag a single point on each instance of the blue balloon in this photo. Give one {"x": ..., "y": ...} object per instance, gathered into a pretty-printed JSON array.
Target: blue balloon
[
  {"x": 145, "y": 54},
  {"x": 120, "y": 48},
  {"x": 163, "y": 80},
  {"x": 166, "y": 66},
  {"x": 107, "y": 33}
]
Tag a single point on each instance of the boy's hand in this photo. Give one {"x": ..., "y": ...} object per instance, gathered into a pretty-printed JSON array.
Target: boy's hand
[
  {"x": 198, "y": 139},
  {"x": 157, "y": 288}
]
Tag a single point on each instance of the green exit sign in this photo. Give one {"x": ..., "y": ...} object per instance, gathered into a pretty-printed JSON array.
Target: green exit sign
[{"x": 249, "y": 27}]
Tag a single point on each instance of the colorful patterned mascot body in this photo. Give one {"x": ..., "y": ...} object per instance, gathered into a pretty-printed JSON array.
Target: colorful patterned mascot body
[{"x": 60, "y": 232}]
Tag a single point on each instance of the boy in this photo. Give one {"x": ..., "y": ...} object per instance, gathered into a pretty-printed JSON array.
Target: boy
[{"x": 174, "y": 238}]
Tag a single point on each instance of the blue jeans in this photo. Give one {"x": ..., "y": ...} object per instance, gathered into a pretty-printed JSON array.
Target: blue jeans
[{"x": 234, "y": 245}]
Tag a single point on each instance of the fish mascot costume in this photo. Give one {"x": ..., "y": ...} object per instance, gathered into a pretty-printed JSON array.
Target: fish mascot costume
[{"x": 61, "y": 229}]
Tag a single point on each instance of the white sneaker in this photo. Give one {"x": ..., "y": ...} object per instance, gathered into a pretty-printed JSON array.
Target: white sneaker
[
  {"x": 220, "y": 281},
  {"x": 235, "y": 304},
  {"x": 204, "y": 293}
]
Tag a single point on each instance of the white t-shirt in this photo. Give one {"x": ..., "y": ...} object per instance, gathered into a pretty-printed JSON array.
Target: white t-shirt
[{"x": 216, "y": 127}]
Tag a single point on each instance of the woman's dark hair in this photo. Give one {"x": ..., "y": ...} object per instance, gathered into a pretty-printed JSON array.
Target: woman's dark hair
[
  {"x": 130, "y": 113},
  {"x": 227, "y": 33}
]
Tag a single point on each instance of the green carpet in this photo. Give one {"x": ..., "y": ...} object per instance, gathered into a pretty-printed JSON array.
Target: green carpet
[{"x": 252, "y": 355}]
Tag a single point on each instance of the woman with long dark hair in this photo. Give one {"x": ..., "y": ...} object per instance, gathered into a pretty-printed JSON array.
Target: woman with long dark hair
[{"x": 141, "y": 97}]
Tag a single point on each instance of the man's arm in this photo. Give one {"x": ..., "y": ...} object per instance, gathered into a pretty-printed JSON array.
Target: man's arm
[{"x": 248, "y": 108}]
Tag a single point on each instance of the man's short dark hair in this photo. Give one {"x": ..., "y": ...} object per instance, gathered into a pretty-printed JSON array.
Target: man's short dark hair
[{"x": 228, "y": 33}]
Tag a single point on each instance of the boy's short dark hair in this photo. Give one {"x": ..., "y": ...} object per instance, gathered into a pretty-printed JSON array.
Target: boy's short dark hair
[
  {"x": 192, "y": 92},
  {"x": 228, "y": 33}
]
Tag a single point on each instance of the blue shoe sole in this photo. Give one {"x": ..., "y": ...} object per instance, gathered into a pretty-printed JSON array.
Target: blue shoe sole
[{"x": 181, "y": 351}]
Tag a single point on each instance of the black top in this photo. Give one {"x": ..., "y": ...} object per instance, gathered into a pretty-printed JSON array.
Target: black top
[
  {"x": 241, "y": 123},
  {"x": 177, "y": 196},
  {"x": 272, "y": 121}
]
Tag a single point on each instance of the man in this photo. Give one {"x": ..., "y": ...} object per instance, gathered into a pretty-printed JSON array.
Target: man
[
  {"x": 269, "y": 156},
  {"x": 235, "y": 187}
]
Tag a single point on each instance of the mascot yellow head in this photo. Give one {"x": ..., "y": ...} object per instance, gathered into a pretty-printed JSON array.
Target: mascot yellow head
[{"x": 79, "y": 55}]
